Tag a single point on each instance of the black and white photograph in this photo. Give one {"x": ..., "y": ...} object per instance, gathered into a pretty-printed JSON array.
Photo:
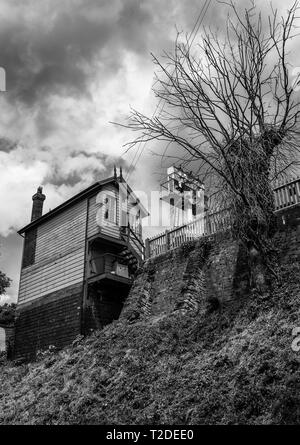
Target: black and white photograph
[{"x": 149, "y": 215}]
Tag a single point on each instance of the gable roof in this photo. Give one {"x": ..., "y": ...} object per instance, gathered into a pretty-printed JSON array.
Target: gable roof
[{"x": 79, "y": 197}]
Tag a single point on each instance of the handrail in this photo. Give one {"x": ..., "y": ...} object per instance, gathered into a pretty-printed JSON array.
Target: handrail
[
  {"x": 135, "y": 236},
  {"x": 134, "y": 239}
]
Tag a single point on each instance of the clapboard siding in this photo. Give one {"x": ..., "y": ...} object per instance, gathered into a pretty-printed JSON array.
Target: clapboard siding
[
  {"x": 61, "y": 234},
  {"x": 60, "y": 246},
  {"x": 110, "y": 230},
  {"x": 93, "y": 228},
  {"x": 65, "y": 271},
  {"x": 33, "y": 281},
  {"x": 49, "y": 265}
]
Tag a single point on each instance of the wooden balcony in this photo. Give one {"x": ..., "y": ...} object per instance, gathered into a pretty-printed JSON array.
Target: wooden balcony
[{"x": 109, "y": 268}]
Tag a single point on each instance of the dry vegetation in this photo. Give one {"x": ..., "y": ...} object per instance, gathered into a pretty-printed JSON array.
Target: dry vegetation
[
  {"x": 7, "y": 313},
  {"x": 234, "y": 366}
]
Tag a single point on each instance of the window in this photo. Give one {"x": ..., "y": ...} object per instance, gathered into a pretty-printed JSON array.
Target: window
[{"x": 110, "y": 209}]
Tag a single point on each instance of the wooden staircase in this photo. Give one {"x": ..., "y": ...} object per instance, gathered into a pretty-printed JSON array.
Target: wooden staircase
[
  {"x": 130, "y": 259},
  {"x": 134, "y": 250}
]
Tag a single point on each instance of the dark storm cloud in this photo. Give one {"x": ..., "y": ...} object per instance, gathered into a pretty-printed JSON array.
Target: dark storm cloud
[
  {"x": 133, "y": 23},
  {"x": 58, "y": 178},
  {"x": 60, "y": 53},
  {"x": 101, "y": 167},
  {"x": 51, "y": 47},
  {"x": 7, "y": 145}
]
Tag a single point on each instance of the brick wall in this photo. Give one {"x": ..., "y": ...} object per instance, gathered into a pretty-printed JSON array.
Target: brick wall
[
  {"x": 29, "y": 247},
  {"x": 9, "y": 340},
  {"x": 102, "y": 306},
  {"x": 288, "y": 234},
  {"x": 184, "y": 278},
  {"x": 156, "y": 286},
  {"x": 54, "y": 319},
  {"x": 220, "y": 269},
  {"x": 210, "y": 270}
]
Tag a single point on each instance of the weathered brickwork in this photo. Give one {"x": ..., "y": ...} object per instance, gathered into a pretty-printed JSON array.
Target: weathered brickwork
[
  {"x": 102, "y": 307},
  {"x": 212, "y": 270},
  {"x": 184, "y": 279},
  {"x": 9, "y": 340},
  {"x": 138, "y": 302},
  {"x": 156, "y": 287},
  {"x": 193, "y": 280},
  {"x": 167, "y": 281},
  {"x": 29, "y": 248},
  {"x": 54, "y": 319},
  {"x": 220, "y": 269},
  {"x": 287, "y": 238}
]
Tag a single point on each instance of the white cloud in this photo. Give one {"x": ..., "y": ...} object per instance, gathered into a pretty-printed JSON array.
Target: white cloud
[
  {"x": 22, "y": 171},
  {"x": 16, "y": 181}
]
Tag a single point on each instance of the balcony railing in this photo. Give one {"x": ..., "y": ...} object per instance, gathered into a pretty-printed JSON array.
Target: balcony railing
[
  {"x": 108, "y": 263},
  {"x": 133, "y": 240}
]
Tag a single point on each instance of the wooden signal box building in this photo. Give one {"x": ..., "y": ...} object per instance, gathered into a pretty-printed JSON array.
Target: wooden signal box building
[{"x": 78, "y": 265}]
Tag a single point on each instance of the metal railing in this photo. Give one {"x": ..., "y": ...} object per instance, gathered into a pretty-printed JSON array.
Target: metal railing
[{"x": 133, "y": 240}]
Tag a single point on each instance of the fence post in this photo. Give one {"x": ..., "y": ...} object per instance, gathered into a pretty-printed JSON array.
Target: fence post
[
  {"x": 205, "y": 223},
  {"x": 147, "y": 248},
  {"x": 167, "y": 240}
]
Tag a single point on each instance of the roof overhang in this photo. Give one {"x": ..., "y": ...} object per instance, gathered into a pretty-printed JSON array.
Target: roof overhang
[
  {"x": 83, "y": 195},
  {"x": 135, "y": 200}
]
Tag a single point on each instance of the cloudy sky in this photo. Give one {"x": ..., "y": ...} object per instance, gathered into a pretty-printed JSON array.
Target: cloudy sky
[{"x": 72, "y": 67}]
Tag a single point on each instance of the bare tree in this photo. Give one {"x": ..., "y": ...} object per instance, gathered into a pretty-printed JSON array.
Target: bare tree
[{"x": 231, "y": 107}]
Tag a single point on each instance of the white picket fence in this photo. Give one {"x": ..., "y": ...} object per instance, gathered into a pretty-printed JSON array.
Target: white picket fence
[
  {"x": 285, "y": 195},
  {"x": 170, "y": 239}
]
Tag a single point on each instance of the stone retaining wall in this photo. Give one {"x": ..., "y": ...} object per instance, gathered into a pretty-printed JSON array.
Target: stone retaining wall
[{"x": 210, "y": 270}]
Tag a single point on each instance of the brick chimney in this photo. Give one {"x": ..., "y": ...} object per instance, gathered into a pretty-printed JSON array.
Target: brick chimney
[{"x": 37, "y": 206}]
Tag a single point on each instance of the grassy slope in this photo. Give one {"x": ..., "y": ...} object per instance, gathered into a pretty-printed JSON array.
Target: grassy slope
[{"x": 230, "y": 367}]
